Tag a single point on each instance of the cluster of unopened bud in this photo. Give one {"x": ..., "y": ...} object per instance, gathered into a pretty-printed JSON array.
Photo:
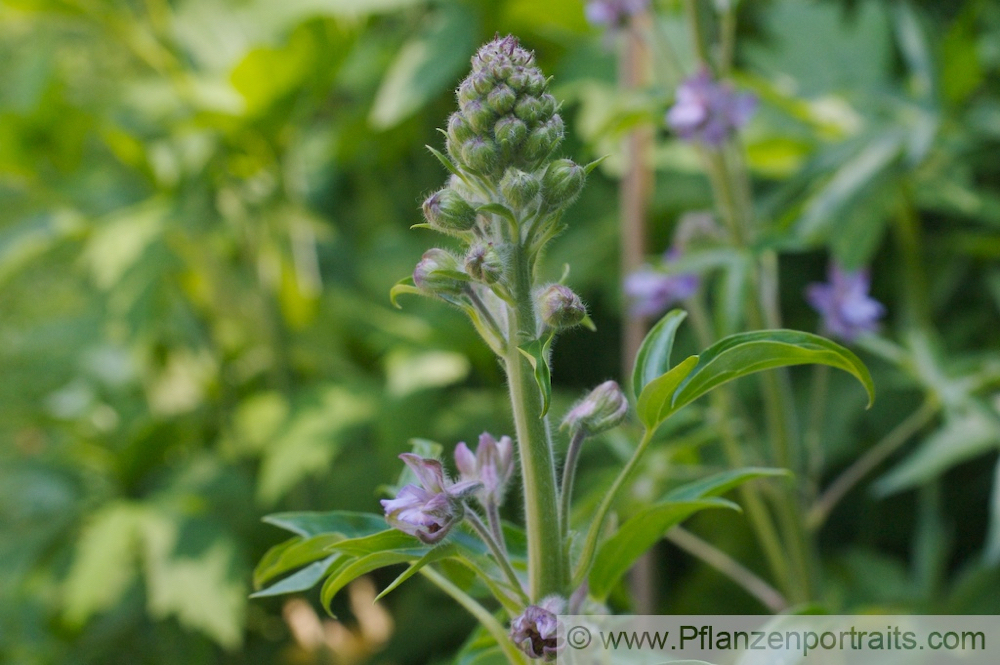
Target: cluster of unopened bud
[{"x": 506, "y": 116}]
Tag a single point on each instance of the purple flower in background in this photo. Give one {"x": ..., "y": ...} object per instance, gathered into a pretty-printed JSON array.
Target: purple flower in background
[
  {"x": 652, "y": 291},
  {"x": 430, "y": 510},
  {"x": 534, "y": 631},
  {"x": 707, "y": 111},
  {"x": 844, "y": 304},
  {"x": 492, "y": 465},
  {"x": 613, "y": 14}
]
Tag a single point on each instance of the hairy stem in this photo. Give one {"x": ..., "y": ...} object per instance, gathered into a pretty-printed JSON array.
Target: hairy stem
[
  {"x": 538, "y": 474},
  {"x": 569, "y": 472},
  {"x": 482, "y": 615},
  {"x": 501, "y": 557}
]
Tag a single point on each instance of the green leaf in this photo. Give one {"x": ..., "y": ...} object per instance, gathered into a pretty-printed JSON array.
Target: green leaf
[
  {"x": 362, "y": 566},
  {"x": 383, "y": 541},
  {"x": 654, "y": 403},
  {"x": 104, "y": 564},
  {"x": 537, "y": 353},
  {"x": 653, "y": 358},
  {"x": 427, "y": 65},
  {"x": 963, "y": 437},
  {"x": 404, "y": 285},
  {"x": 342, "y": 522},
  {"x": 720, "y": 483},
  {"x": 746, "y": 353},
  {"x": 303, "y": 580},
  {"x": 617, "y": 554},
  {"x": 440, "y": 552},
  {"x": 291, "y": 555}
]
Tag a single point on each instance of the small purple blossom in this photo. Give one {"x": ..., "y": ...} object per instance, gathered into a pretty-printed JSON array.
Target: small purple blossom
[
  {"x": 707, "y": 111},
  {"x": 428, "y": 511},
  {"x": 613, "y": 14},
  {"x": 492, "y": 465},
  {"x": 844, "y": 304},
  {"x": 652, "y": 291},
  {"x": 534, "y": 631}
]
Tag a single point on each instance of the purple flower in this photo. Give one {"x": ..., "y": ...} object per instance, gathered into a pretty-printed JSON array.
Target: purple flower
[
  {"x": 534, "y": 631},
  {"x": 844, "y": 304},
  {"x": 613, "y": 14},
  {"x": 707, "y": 111},
  {"x": 428, "y": 511},
  {"x": 652, "y": 291},
  {"x": 492, "y": 465}
]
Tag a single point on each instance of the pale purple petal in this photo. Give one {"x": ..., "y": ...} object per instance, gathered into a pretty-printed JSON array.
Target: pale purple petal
[
  {"x": 707, "y": 111},
  {"x": 428, "y": 471},
  {"x": 846, "y": 309},
  {"x": 465, "y": 461}
]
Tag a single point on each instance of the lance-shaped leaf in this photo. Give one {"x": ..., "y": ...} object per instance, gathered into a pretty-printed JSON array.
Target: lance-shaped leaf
[
  {"x": 741, "y": 355},
  {"x": 653, "y": 359},
  {"x": 303, "y": 580},
  {"x": 637, "y": 535},
  {"x": 537, "y": 353},
  {"x": 720, "y": 483}
]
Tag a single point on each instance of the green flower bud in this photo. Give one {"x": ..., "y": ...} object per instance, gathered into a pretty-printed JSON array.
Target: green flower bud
[
  {"x": 519, "y": 188},
  {"x": 480, "y": 155},
  {"x": 605, "y": 407},
  {"x": 480, "y": 118},
  {"x": 482, "y": 82},
  {"x": 549, "y": 105},
  {"x": 501, "y": 99},
  {"x": 448, "y": 211},
  {"x": 459, "y": 130},
  {"x": 536, "y": 83},
  {"x": 483, "y": 263},
  {"x": 562, "y": 183},
  {"x": 530, "y": 109},
  {"x": 544, "y": 140},
  {"x": 434, "y": 273},
  {"x": 510, "y": 134},
  {"x": 560, "y": 308},
  {"x": 467, "y": 92}
]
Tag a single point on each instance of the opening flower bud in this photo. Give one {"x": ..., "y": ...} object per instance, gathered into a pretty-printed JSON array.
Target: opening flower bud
[
  {"x": 438, "y": 272},
  {"x": 448, "y": 211},
  {"x": 605, "y": 407},
  {"x": 483, "y": 263},
  {"x": 535, "y": 631},
  {"x": 519, "y": 188},
  {"x": 560, "y": 308},
  {"x": 562, "y": 182}
]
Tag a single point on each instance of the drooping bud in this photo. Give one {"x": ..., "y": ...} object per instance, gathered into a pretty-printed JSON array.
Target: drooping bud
[
  {"x": 483, "y": 263},
  {"x": 562, "y": 183},
  {"x": 535, "y": 631},
  {"x": 605, "y": 407},
  {"x": 438, "y": 273},
  {"x": 431, "y": 509},
  {"x": 448, "y": 211},
  {"x": 519, "y": 188},
  {"x": 560, "y": 308},
  {"x": 492, "y": 465}
]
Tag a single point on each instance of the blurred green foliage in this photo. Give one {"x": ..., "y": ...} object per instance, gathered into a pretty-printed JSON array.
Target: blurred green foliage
[{"x": 205, "y": 203}]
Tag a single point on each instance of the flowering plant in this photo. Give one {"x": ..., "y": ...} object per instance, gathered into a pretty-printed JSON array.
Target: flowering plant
[{"x": 504, "y": 202}]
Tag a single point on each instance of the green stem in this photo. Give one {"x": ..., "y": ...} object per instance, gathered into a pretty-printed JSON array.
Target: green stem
[
  {"x": 569, "y": 472},
  {"x": 482, "y": 615},
  {"x": 496, "y": 526},
  {"x": 868, "y": 462},
  {"x": 538, "y": 474},
  {"x": 501, "y": 557},
  {"x": 594, "y": 533}
]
